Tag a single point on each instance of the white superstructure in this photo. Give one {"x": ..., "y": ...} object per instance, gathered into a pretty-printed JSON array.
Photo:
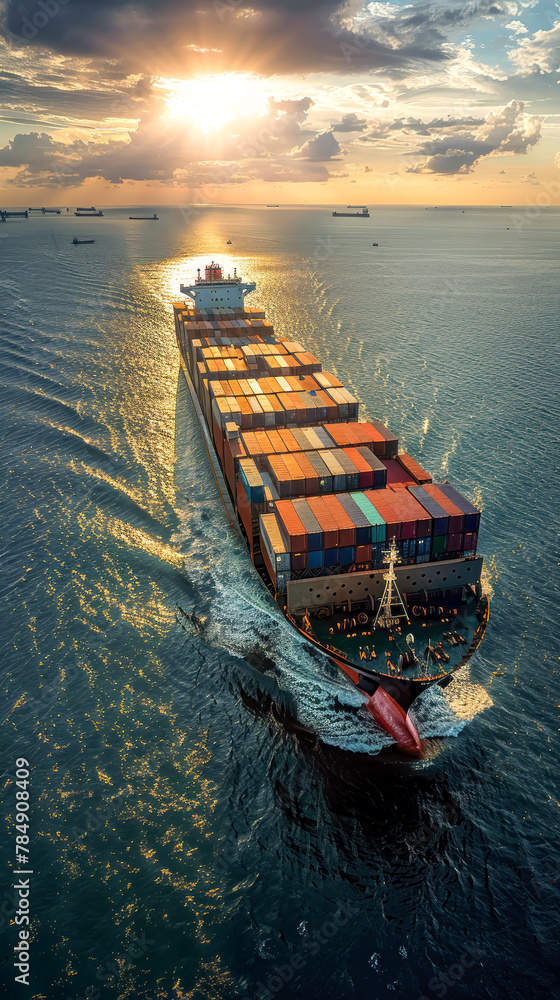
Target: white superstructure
[{"x": 214, "y": 292}]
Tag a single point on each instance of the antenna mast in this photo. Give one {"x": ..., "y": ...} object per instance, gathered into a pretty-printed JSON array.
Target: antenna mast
[{"x": 386, "y": 616}]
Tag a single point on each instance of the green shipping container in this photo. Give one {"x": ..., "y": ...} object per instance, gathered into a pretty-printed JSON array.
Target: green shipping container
[
  {"x": 439, "y": 544},
  {"x": 378, "y": 526}
]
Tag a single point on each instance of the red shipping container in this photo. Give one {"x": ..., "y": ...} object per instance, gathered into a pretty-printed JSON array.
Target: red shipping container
[
  {"x": 354, "y": 436},
  {"x": 291, "y": 528},
  {"x": 244, "y": 511},
  {"x": 376, "y": 498},
  {"x": 397, "y": 474},
  {"x": 298, "y": 560},
  {"x": 329, "y": 404},
  {"x": 329, "y": 527},
  {"x": 456, "y": 543},
  {"x": 416, "y": 471},
  {"x": 346, "y": 527},
  {"x": 408, "y": 521},
  {"x": 470, "y": 541},
  {"x": 365, "y": 470},
  {"x": 416, "y": 510},
  {"x": 456, "y": 516},
  {"x": 372, "y": 438},
  {"x": 363, "y": 553}
]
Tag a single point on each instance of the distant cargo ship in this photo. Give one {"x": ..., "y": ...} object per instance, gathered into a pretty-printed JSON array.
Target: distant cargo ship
[
  {"x": 363, "y": 214},
  {"x": 145, "y": 218},
  {"x": 87, "y": 213},
  {"x": 355, "y": 541}
]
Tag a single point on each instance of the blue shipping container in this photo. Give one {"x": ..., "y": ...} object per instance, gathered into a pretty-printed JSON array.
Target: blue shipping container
[
  {"x": 315, "y": 559},
  {"x": 347, "y": 555}
]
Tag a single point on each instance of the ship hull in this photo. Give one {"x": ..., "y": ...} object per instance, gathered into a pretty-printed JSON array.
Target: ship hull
[
  {"x": 345, "y": 628},
  {"x": 401, "y": 691}
]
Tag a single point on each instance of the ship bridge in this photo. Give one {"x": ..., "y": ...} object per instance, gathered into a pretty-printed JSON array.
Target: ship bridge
[{"x": 215, "y": 292}]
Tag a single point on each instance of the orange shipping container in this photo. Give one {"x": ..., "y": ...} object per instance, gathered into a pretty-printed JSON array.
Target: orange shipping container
[
  {"x": 346, "y": 526},
  {"x": 416, "y": 471},
  {"x": 328, "y": 524},
  {"x": 311, "y": 482},
  {"x": 292, "y": 529}
]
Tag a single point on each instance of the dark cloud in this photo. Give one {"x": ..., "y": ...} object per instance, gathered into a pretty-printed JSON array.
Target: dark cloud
[
  {"x": 350, "y": 123},
  {"x": 435, "y": 125},
  {"x": 18, "y": 93},
  {"x": 297, "y": 109},
  {"x": 321, "y": 147},
  {"x": 264, "y": 36},
  {"x": 415, "y": 126},
  {"x": 261, "y": 147}
]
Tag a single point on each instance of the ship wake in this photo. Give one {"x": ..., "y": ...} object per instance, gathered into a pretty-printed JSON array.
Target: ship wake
[{"x": 234, "y": 613}]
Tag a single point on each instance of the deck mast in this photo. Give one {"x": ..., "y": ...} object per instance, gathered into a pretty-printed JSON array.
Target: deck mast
[{"x": 386, "y": 616}]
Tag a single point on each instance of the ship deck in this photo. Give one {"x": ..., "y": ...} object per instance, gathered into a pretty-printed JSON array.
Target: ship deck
[{"x": 374, "y": 648}]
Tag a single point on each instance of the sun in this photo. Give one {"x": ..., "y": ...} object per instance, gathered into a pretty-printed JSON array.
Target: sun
[{"x": 210, "y": 102}]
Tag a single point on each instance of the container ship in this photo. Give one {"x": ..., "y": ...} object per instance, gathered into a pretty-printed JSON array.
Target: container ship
[
  {"x": 362, "y": 214},
  {"x": 369, "y": 559},
  {"x": 88, "y": 213}
]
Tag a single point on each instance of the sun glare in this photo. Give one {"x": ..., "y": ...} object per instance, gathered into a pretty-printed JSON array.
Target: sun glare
[{"x": 210, "y": 102}]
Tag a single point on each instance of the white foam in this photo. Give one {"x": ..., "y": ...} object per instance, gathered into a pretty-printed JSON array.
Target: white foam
[{"x": 242, "y": 617}]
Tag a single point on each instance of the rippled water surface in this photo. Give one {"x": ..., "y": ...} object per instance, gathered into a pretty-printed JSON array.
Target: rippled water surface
[{"x": 185, "y": 844}]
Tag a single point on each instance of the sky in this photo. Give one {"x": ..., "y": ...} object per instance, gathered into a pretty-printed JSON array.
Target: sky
[{"x": 112, "y": 102}]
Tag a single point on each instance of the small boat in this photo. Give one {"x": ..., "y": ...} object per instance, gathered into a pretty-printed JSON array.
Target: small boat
[
  {"x": 229, "y": 243},
  {"x": 375, "y": 244},
  {"x": 76, "y": 241}
]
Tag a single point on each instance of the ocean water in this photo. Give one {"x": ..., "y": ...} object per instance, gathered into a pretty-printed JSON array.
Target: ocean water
[{"x": 183, "y": 842}]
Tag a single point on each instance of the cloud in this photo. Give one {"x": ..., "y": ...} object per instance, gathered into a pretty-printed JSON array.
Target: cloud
[
  {"x": 539, "y": 54},
  {"x": 517, "y": 27},
  {"x": 67, "y": 101},
  {"x": 415, "y": 126},
  {"x": 256, "y": 147},
  {"x": 185, "y": 37},
  {"x": 507, "y": 131},
  {"x": 435, "y": 125},
  {"x": 297, "y": 109},
  {"x": 350, "y": 123},
  {"x": 322, "y": 147},
  {"x": 427, "y": 24}
]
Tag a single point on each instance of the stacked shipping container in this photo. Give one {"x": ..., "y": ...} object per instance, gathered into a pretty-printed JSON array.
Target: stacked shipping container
[{"x": 317, "y": 492}]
